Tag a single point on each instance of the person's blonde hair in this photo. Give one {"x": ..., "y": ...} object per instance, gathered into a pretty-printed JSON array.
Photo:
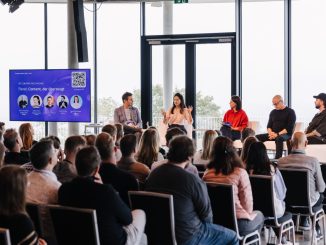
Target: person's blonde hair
[
  {"x": 208, "y": 139},
  {"x": 25, "y": 132},
  {"x": 149, "y": 146}
]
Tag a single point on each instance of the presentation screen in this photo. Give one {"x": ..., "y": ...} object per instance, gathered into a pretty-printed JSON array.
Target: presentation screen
[{"x": 50, "y": 95}]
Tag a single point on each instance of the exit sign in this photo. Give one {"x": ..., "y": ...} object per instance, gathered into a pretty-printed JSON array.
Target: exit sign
[{"x": 180, "y": 1}]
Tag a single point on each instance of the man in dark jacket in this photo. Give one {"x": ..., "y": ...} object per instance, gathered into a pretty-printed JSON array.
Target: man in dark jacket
[{"x": 117, "y": 224}]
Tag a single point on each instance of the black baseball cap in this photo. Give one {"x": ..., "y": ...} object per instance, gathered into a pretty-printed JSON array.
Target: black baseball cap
[{"x": 321, "y": 96}]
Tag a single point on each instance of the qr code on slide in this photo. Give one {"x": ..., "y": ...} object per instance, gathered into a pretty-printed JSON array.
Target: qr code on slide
[{"x": 78, "y": 79}]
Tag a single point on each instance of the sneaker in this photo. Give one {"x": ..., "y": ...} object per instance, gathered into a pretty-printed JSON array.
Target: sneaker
[
  {"x": 318, "y": 233},
  {"x": 284, "y": 240},
  {"x": 304, "y": 224}
]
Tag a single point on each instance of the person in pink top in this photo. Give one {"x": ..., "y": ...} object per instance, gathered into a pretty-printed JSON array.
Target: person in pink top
[
  {"x": 226, "y": 167},
  {"x": 235, "y": 119},
  {"x": 179, "y": 115}
]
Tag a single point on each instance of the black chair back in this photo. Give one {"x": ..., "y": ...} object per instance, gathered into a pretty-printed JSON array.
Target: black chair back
[
  {"x": 4, "y": 237},
  {"x": 262, "y": 192},
  {"x": 297, "y": 185},
  {"x": 74, "y": 225},
  {"x": 223, "y": 207},
  {"x": 34, "y": 213},
  {"x": 160, "y": 227}
]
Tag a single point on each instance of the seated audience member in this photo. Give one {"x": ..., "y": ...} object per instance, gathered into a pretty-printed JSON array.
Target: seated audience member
[
  {"x": 117, "y": 224},
  {"x": 121, "y": 180},
  {"x": 280, "y": 125},
  {"x": 259, "y": 163},
  {"x": 245, "y": 148},
  {"x": 2, "y": 153},
  {"x": 247, "y": 132},
  {"x": 43, "y": 183},
  {"x": 13, "y": 215},
  {"x": 90, "y": 139},
  {"x": 202, "y": 157},
  {"x": 13, "y": 143},
  {"x": 235, "y": 119},
  {"x": 192, "y": 209},
  {"x": 149, "y": 146},
  {"x": 298, "y": 159},
  {"x": 26, "y": 133},
  {"x": 112, "y": 130},
  {"x": 2, "y": 130},
  {"x": 120, "y": 133},
  {"x": 66, "y": 170},
  {"x": 226, "y": 167},
  {"x": 170, "y": 134},
  {"x": 128, "y": 162},
  {"x": 57, "y": 146},
  {"x": 316, "y": 131}
]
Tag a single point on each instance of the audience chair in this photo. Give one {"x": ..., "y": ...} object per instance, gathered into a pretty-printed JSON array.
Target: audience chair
[
  {"x": 298, "y": 199},
  {"x": 160, "y": 227},
  {"x": 4, "y": 236},
  {"x": 223, "y": 207},
  {"x": 323, "y": 171},
  {"x": 34, "y": 213},
  {"x": 263, "y": 197},
  {"x": 74, "y": 225}
]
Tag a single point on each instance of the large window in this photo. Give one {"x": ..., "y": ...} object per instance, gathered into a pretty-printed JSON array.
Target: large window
[
  {"x": 308, "y": 56},
  {"x": 192, "y": 18},
  {"x": 263, "y": 57},
  {"x": 118, "y": 56},
  {"x": 21, "y": 47}
]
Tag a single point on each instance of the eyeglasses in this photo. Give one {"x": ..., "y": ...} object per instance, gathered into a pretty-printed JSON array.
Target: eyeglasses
[{"x": 275, "y": 104}]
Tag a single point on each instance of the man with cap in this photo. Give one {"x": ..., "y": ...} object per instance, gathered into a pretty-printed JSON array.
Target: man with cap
[{"x": 316, "y": 131}]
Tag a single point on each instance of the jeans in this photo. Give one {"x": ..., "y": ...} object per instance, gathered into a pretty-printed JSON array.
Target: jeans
[
  {"x": 247, "y": 226},
  {"x": 213, "y": 234},
  {"x": 232, "y": 134},
  {"x": 278, "y": 142}
]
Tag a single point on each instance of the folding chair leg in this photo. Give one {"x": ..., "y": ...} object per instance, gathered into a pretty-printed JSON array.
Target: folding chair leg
[
  {"x": 324, "y": 229},
  {"x": 297, "y": 222},
  {"x": 293, "y": 233},
  {"x": 280, "y": 233},
  {"x": 313, "y": 227}
]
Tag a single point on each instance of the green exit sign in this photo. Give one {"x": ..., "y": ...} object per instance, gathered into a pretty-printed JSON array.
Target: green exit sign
[{"x": 180, "y": 1}]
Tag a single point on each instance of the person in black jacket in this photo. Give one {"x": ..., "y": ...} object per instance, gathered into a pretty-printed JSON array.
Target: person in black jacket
[
  {"x": 316, "y": 131},
  {"x": 121, "y": 180},
  {"x": 280, "y": 125},
  {"x": 117, "y": 224}
]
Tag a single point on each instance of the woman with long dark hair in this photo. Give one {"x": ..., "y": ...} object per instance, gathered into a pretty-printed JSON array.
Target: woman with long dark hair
[
  {"x": 13, "y": 216},
  {"x": 259, "y": 163},
  {"x": 235, "y": 119},
  {"x": 226, "y": 167},
  {"x": 179, "y": 114}
]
